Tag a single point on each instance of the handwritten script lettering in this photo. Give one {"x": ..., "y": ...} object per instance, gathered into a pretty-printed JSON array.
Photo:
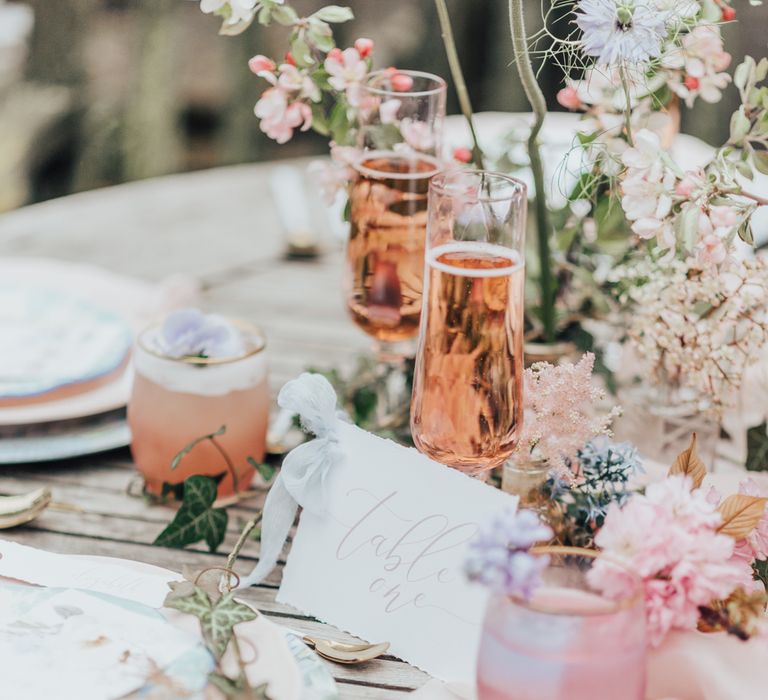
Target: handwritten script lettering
[{"x": 412, "y": 554}]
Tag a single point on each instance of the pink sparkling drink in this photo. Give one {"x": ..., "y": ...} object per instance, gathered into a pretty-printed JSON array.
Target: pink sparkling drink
[
  {"x": 175, "y": 401},
  {"x": 567, "y": 642}
]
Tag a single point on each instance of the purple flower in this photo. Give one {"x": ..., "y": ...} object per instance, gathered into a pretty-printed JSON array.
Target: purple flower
[
  {"x": 191, "y": 333},
  {"x": 499, "y": 557}
]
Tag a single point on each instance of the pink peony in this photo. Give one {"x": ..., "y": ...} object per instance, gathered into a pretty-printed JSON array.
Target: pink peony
[{"x": 668, "y": 537}]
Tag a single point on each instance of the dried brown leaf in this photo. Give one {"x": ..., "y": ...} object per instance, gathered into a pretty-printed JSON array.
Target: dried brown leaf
[
  {"x": 741, "y": 514},
  {"x": 689, "y": 464}
]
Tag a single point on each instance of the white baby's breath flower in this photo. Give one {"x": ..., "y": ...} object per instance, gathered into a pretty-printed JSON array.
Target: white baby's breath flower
[{"x": 619, "y": 32}]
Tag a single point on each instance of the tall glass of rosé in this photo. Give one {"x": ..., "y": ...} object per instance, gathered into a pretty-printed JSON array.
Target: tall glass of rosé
[
  {"x": 176, "y": 401},
  {"x": 466, "y": 409},
  {"x": 400, "y": 129}
]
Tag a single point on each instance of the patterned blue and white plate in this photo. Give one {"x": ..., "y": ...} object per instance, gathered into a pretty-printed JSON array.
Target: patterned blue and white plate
[{"x": 51, "y": 340}]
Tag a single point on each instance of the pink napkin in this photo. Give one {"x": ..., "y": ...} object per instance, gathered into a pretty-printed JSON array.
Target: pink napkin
[
  {"x": 695, "y": 666},
  {"x": 688, "y": 666}
]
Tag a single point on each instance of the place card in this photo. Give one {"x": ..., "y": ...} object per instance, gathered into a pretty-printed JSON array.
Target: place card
[
  {"x": 383, "y": 560},
  {"x": 140, "y": 583}
]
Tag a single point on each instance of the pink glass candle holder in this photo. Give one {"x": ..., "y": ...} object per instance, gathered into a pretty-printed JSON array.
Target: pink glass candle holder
[
  {"x": 178, "y": 400},
  {"x": 567, "y": 641}
]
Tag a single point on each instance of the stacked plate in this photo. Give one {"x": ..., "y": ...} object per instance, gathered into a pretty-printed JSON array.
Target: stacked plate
[{"x": 65, "y": 339}]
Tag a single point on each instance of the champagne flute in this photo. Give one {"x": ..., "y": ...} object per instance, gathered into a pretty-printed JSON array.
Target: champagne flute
[
  {"x": 400, "y": 123},
  {"x": 466, "y": 410}
]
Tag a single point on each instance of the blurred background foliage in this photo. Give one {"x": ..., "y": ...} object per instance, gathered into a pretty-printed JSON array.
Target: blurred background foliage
[{"x": 118, "y": 90}]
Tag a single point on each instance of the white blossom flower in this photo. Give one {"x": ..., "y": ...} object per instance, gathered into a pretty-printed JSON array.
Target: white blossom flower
[
  {"x": 673, "y": 326},
  {"x": 237, "y": 14},
  {"x": 388, "y": 110},
  {"x": 620, "y": 32},
  {"x": 418, "y": 135},
  {"x": 346, "y": 69},
  {"x": 696, "y": 65}
]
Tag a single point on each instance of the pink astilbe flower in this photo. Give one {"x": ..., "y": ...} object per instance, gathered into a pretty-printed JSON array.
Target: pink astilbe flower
[
  {"x": 560, "y": 417},
  {"x": 668, "y": 537}
]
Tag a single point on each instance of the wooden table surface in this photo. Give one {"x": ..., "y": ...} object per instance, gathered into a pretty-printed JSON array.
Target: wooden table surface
[{"x": 220, "y": 227}]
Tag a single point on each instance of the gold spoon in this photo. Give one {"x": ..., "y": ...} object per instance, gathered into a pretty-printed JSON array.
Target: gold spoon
[{"x": 346, "y": 653}]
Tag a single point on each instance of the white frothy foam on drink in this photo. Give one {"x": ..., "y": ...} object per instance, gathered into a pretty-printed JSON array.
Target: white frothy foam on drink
[{"x": 214, "y": 379}]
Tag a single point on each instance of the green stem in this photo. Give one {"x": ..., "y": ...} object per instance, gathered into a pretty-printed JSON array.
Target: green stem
[
  {"x": 458, "y": 78},
  {"x": 539, "y": 106},
  {"x": 628, "y": 110},
  {"x": 249, "y": 527}
]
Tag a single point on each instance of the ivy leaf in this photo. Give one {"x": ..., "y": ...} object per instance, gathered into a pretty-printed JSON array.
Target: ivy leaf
[
  {"x": 757, "y": 448},
  {"x": 189, "y": 599},
  {"x": 266, "y": 471},
  {"x": 741, "y": 514},
  {"x": 191, "y": 445},
  {"x": 219, "y": 620},
  {"x": 689, "y": 464},
  {"x": 196, "y": 520}
]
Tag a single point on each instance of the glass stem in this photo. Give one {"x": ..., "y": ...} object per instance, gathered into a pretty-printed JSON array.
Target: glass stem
[{"x": 539, "y": 105}]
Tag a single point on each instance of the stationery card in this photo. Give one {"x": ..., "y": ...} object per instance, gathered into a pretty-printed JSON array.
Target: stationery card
[{"x": 384, "y": 562}]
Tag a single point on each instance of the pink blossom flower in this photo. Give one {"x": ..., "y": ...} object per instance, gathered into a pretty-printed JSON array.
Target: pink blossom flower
[
  {"x": 711, "y": 251},
  {"x": 346, "y": 69},
  {"x": 400, "y": 82},
  {"x": 462, "y": 154},
  {"x": 388, "y": 110},
  {"x": 292, "y": 80},
  {"x": 330, "y": 177},
  {"x": 278, "y": 118},
  {"x": 418, "y": 135},
  {"x": 261, "y": 64},
  {"x": 569, "y": 98},
  {"x": 344, "y": 155},
  {"x": 685, "y": 187},
  {"x": 364, "y": 47},
  {"x": 697, "y": 65},
  {"x": 722, "y": 216}
]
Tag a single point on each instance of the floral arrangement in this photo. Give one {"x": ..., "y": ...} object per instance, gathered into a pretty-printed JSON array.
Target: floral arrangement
[
  {"x": 697, "y": 330},
  {"x": 684, "y": 270},
  {"x": 560, "y": 414},
  {"x": 703, "y": 559}
]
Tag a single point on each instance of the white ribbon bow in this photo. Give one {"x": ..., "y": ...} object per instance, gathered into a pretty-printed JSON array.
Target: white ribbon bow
[{"x": 301, "y": 481}]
